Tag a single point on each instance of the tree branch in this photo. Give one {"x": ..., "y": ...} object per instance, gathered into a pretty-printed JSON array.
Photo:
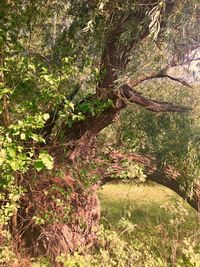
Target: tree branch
[
  {"x": 169, "y": 177},
  {"x": 160, "y": 74},
  {"x": 173, "y": 184},
  {"x": 178, "y": 80},
  {"x": 136, "y": 97}
]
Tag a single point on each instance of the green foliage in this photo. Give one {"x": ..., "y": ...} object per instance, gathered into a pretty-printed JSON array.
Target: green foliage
[
  {"x": 94, "y": 107},
  {"x": 172, "y": 139},
  {"x": 191, "y": 254},
  {"x": 112, "y": 251},
  {"x": 83, "y": 110},
  {"x": 144, "y": 226},
  {"x": 44, "y": 160},
  {"x": 128, "y": 171},
  {"x": 7, "y": 256}
]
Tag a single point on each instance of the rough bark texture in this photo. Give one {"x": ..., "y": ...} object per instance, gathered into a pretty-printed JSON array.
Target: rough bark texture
[{"x": 71, "y": 216}]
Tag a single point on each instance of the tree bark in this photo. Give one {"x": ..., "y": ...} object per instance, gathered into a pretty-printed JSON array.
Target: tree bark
[{"x": 58, "y": 216}]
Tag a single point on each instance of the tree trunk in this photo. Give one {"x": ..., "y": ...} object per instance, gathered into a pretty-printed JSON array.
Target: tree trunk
[{"x": 57, "y": 216}]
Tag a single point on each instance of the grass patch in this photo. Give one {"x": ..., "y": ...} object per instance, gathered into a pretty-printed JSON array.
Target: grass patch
[{"x": 153, "y": 217}]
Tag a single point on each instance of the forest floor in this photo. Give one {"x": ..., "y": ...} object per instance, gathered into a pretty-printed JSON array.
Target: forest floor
[{"x": 154, "y": 217}]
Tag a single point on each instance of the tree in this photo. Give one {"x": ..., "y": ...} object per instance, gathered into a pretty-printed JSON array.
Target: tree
[{"x": 68, "y": 69}]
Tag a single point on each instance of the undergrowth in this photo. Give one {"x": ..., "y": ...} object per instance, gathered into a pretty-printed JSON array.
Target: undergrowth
[{"x": 141, "y": 226}]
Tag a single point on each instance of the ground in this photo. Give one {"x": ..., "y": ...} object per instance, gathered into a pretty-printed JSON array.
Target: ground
[
  {"x": 152, "y": 216},
  {"x": 142, "y": 226}
]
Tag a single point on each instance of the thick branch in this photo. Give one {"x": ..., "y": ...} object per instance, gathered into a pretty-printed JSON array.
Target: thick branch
[
  {"x": 169, "y": 177},
  {"x": 173, "y": 184},
  {"x": 133, "y": 96},
  {"x": 84, "y": 132}
]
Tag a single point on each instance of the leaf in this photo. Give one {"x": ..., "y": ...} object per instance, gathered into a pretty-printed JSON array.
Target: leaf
[
  {"x": 47, "y": 161},
  {"x": 37, "y": 138},
  {"x": 2, "y": 156},
  {"x": 71, "y": 105},
  {"x": 46, "y": 116},
  {"x": 22, "y": 136},
  {"x": 39, "y": 165},
  {"x": 15, "y": 165},
  {"x": 101, "y": 6},
  {"x": 44, "y": 161}
]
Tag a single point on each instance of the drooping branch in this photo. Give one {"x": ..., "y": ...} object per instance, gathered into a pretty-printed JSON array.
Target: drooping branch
[
  {"x": 169, "y": 177},
  {"x": 135, "y": 97},
  {"x": 173, "y": 184}
]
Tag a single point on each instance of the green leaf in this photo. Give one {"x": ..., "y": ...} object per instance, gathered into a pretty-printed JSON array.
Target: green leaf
[
  {"x": 71, "y": 105},
  {"x": 44, "y": 161},
  {"x": 39, "y": 165},
  {"x": 37, "y": 138},
  {"x": 15, "y": 165},
  {"x": 47, "y": 161}
]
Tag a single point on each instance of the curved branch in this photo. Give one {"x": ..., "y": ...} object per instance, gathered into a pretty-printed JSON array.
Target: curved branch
[
  {"x": 163, "y": 179},
  {"x": 163, "y": 73},
  {"x": 135, "y": 97},
  {"x": 168, "y": 178}
]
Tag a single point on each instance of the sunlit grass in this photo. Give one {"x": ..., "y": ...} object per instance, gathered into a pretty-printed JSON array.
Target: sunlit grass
[{"x": 150, "y": 215}]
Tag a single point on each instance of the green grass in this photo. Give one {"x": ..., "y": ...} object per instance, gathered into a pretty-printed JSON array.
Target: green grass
[
  {"x": 153, "y": 217},
  {"x": 144, "y": 226}
]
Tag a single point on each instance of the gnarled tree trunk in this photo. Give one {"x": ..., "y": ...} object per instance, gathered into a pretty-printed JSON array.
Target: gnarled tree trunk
[{"x": 58, "y": 216}]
